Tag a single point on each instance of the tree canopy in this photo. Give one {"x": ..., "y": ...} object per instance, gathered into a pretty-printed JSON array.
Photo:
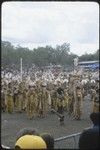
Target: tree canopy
[{"x": 41, "y": 56}]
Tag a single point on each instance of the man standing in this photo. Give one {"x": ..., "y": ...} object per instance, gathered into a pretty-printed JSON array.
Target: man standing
[
  {"x": 78, "y": 103},
  {"x": 53, "y": 94},
  {"x": 9, "y": 99},
  {"x": 60, "y": 100},
  {"x": 19, "y": 101},
  {"x": 89, "y": 138},
  {"x": 96, "y": 105},
  {"x": 43, "y": 103},
  {"x": 45, "y": 97},
  {"x": 31, "y": 102}
]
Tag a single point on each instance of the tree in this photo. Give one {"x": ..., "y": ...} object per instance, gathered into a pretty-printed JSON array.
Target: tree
[{"x": 41, "y": 56}]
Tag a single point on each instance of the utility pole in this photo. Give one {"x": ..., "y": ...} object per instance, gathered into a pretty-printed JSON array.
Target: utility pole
[
  {"x": 21, "y": 70},
  {"x": 75, "y": 64}
]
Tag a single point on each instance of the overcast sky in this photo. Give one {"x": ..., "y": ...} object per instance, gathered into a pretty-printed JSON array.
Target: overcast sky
[{"x": 33, "y": 24}]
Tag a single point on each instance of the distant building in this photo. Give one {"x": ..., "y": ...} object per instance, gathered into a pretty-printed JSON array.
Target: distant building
[{"x": 89, "y": 65}]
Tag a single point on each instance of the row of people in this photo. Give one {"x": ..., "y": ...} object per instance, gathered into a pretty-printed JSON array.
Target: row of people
[{"x": 37, "y": 99}]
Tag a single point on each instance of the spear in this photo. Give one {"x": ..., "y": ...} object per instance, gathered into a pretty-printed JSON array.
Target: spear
[{"x": 21, "y": 73}]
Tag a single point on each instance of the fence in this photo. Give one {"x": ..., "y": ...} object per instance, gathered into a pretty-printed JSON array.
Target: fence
[
  {"x": 70, "y": 141},
  {"x": 5, "y": 147}
]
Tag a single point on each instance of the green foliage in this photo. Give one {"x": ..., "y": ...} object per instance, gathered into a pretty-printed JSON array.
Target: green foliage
[
  {"x": 90, "y": 57},
  {"x": 42, "y": 56}
]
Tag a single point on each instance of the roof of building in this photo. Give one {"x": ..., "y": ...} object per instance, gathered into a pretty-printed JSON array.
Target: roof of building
[{"x": 88, "y": 62}]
